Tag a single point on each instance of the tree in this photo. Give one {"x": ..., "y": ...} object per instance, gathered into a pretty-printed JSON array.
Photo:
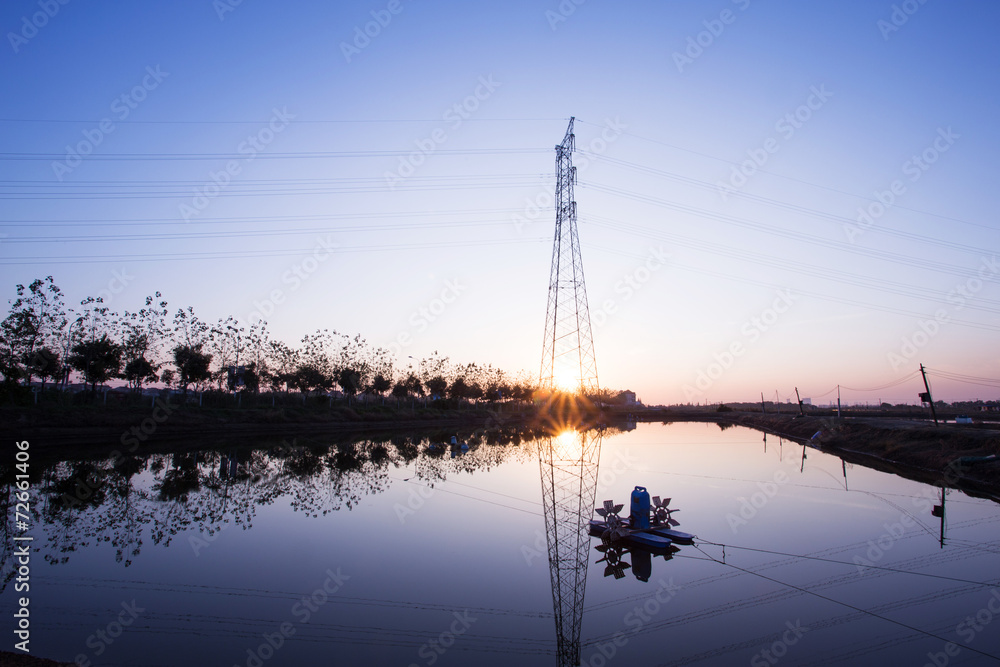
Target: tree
[
  {"x": 381, "y": 363},
  {"x": 309, "y": 378},
  {"x": 139, "y": 371},
  {"x": 45, "y": 363},
  {"x": 227, "y": 340},
  {"x": 436, "y": 386},
  {"x": 459, "y": 389},
  {"x": 413, "y": 385},
  {"x": 381, "y": 384},
  {"x": 193, "y": 365},
  {"x": 189, "y": 330},
  {"x": 96, "y": 324},
  {"x": 475, "y": 391},
  {"x": 255, "y": 357},
  {"x": 399, "y": 391},
  {"x": 251, "y": 377},
  {"x": 99, "y": 360},
  {"x": 143, "y": 333},
  {"x": 283, "y": 362},
  {"x": 349, "y": 381},
  {"x": 36, "y": 318}
]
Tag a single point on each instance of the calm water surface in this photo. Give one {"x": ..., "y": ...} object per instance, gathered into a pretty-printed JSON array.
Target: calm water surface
[{"x": 386, "y": 553}]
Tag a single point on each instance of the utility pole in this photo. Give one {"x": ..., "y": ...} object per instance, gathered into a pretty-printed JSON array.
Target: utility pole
[
  {"x": 838, "y": 401},
  {"x": 801, "y": 411},
  {"x": 929, "y": 399},
  {"x": 762, "y": 409}
]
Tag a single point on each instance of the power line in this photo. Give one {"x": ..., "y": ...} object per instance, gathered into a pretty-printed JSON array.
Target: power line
[
  {"x": 881, "y": 229},
  {"x": 166, "y": 157},
  {"x": 987, "y": 584},
  {"x": 790, "y": 178},
  {"x": 743, "y": 279},
  {"x": 812, "y": 239},
  {"x": 858, "y": 609},
  {"x": 248, "y": 233},
  {"x": 92, "y": 259},
  {"x": 893, "y": 383},
  {"x": 132, "y": 222},
  {"x": 259, "y": 122},
  {"x": 804, "y": 268}
]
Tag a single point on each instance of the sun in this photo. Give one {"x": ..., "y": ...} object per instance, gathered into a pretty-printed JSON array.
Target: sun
[
  {"x": 568, "y": 442},
  {"x": 566, "y": 381}
]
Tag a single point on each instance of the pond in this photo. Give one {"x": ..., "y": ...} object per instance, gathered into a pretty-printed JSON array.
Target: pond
[{"x": 307, "y": 551}]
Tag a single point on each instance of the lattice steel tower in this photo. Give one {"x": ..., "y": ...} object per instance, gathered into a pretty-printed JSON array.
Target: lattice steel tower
[
  {"x": 568, "y": 347},
  {"x": 569, "y": 467}
]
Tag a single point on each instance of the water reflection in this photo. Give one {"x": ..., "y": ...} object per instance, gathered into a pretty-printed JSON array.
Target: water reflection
[
  {"x": 133, "y": 501},
  {"x": 91, "y": 510},
  {"x": 569, "y": 463}
]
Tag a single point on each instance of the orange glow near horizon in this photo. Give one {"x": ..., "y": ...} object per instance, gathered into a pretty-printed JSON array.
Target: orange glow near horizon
[{"x": 566, "y": 381}]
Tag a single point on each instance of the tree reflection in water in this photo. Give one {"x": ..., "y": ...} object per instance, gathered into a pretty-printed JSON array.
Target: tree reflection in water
[{"x": 129, "y": 501}]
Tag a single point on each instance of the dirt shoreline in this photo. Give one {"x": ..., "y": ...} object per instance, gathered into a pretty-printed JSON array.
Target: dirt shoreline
[{"x": 914, "y": 449}]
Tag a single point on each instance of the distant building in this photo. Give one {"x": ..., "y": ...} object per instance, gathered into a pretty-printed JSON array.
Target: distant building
[{"x": 628, "y": 398}]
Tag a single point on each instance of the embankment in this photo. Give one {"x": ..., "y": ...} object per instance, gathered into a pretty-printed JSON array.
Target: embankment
[{"x": 916, "y": 449}]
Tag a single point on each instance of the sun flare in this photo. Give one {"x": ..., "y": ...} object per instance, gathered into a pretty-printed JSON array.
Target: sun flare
[{"x": 566, "y": 381}]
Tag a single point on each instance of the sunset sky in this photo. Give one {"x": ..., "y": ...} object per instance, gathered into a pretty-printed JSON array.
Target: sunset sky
[{"x": 771, "y": 194}]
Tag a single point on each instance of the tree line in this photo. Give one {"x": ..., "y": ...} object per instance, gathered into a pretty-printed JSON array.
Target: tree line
[{"x": 41, "y": 340}]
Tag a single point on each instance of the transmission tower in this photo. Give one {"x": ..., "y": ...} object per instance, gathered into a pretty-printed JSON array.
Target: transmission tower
[
  {"x": 569, "y": 464},
  {"x": 568, "y": 347}
]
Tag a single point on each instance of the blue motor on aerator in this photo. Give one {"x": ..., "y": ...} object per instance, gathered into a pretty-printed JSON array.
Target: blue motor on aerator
[{"x": 639, "y": 513}]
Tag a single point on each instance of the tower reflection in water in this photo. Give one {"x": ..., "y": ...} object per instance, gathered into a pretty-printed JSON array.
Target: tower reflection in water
[{"x": 568, "y": 463}]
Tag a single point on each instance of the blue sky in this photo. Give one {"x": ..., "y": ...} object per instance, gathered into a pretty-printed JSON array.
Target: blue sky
[{"x": 773, "y": 280}]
